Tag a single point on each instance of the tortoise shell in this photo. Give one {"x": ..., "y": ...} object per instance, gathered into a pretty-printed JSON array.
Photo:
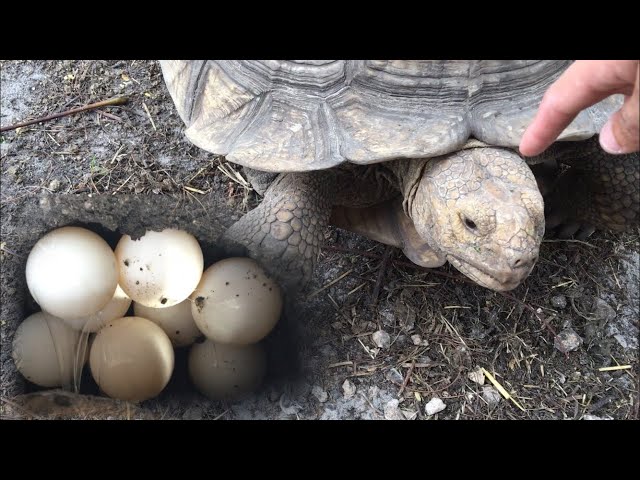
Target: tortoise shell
[{"x": 300, "y": 115}]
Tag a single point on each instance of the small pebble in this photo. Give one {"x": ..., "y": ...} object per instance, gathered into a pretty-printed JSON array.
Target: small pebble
[
  {"x": 348, "y": 389},
  {"x": 434, "y": 406},
  {"x": 409, "y": 413},
  {"x": 603, "y": 311},
  {"x": 559, "y": 301},
  {"x": 477, "y": 376},
  {"x": 392, "y": 411},
  {"x": 388, "y": 317},
  {"x": 320, "y": 394},
  {"x": 393, "y": 375},
  {"x": 491, "y": 395},
  {"x": 381, "y": 339},
  {"x": 567, "y": 341},
  {"x": 54, "y": 185},
  {"x": 594, "y": 417}
]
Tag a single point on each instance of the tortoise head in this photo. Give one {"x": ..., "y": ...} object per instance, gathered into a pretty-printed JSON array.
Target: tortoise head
[{"x": 482, "y": 210}]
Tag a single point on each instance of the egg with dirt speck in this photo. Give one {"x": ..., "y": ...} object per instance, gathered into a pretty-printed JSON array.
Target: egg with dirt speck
[
  {"x": 160, "y": 269},
  {"x": 236, "y": 302}
]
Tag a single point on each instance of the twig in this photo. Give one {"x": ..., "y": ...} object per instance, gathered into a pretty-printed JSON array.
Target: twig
[
  {"x": 617, "y": 367},
  {"x": 146, "y": 109},
  {"x": 568, "y": 240},
  {"x": 191, "y": 189},
  {"x": 3, "y": 248},
  {"x": 123, "y": 184},
  {"x": 500, "y": 388},
  {"x": 407, "y": 377},
  {"x": 329, "y": 284},
  {"x": 381, "y": 271},
  {"x": 347, "y": 363},
  {"x": 92, "y": 106},
  {"x": 222, "y": 414},
  {"x": 110, "y": 115}
]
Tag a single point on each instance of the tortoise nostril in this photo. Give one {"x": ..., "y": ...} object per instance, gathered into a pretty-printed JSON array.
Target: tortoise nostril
[{"x": 524, "y": 261}]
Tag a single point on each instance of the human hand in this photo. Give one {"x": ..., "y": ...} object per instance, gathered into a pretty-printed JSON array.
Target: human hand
[{"x": 585, "y": 83}]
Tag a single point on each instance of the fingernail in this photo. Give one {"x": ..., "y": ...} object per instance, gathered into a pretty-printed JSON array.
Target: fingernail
[{"x": 607, "y": 140}]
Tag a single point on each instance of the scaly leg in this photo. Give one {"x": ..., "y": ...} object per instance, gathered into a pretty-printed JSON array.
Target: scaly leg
[
  {"x": 285, "y": 231},
  {"x": 599, "y": 191}
]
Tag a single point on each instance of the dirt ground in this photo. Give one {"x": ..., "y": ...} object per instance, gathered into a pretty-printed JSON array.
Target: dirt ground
[{"x": 125, "y": 169}]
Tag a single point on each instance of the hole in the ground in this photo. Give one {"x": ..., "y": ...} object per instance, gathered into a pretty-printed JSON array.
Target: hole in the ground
[{"x": 283, "y": 363}]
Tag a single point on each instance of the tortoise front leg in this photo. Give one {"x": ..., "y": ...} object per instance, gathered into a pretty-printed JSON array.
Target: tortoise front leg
[
  {"x": 285, "y": 231},
  {"x": 598, "y": 191}
]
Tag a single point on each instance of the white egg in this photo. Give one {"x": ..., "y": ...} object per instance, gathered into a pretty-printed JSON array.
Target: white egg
[
  {"x": 71, "y": 272},
  {"x": 226, "y": 371},
  {"x": 160, "y": 269},
  {"x": 176, "y": 321},
  {"x": 45, "y": 350},
  {"x": 116, "y": 308},
  {"x": 236, "y": 302},
  {"x": 131, "y": 359}
]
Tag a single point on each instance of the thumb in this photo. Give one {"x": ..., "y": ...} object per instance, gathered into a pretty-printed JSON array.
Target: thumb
[{"x": 621, "y": 133}]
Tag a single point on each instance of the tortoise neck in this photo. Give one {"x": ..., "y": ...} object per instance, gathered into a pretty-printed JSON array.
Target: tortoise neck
[{"x": 408, "y": 174}]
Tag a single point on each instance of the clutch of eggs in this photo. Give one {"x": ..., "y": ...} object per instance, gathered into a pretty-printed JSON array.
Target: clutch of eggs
[{"x": 83, "y": 286}]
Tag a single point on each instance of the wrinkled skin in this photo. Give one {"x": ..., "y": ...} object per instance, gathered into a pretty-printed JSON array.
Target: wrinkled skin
[{"x": 482, "y": 211}]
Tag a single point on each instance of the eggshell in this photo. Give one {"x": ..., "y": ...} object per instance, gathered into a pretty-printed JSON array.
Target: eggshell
[
  {"x": 160, "y": 269},
  {"x": 236, "y": 302},
  {"x": 116, "y": 308},
  {"x": 176, "y": 321},
  {"x": 131, "y": 359},
  {"x": 45, "y": 350},
  {"x": 71, "y": 272}
]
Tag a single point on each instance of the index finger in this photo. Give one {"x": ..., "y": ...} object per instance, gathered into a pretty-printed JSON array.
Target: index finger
[{"x": 583, "y": 84}]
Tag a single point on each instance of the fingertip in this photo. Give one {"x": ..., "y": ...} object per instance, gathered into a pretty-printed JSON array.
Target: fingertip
[
  {"x": 529, "y": 147},
  {"x": 608, "y": 140}
]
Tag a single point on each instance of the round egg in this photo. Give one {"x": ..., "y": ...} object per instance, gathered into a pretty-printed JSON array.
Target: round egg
[
  {"x": 131, "y": 359},
  {"x": 176, "y": 321},
  {"x": 71, "y": 272},
  {"x": 226, "y": 371},
  {"x": 160, "y": 269},
  {"x": 236, "y": 302},
  {"x": 45, "y": 350},
  {"x": 116, "y": 308}
]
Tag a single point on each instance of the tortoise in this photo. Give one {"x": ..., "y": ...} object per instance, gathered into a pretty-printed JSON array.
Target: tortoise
[{"x": 421, "y": 155}]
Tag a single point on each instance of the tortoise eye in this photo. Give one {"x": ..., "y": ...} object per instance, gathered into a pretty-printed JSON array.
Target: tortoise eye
[{"x": 471, "y": 225}]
